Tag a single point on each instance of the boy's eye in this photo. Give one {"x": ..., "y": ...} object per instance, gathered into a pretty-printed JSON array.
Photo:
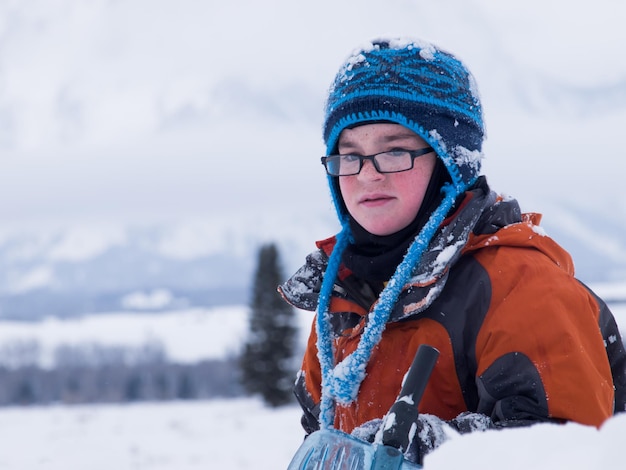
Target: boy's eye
[{"x": 396, "y": 153}]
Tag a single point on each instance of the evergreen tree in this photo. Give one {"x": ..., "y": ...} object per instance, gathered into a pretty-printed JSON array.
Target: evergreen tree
[{"x": 268, "y": 355}]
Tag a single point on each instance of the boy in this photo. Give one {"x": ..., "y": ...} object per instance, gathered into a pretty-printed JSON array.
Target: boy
[{"x": 429, "y": 254}]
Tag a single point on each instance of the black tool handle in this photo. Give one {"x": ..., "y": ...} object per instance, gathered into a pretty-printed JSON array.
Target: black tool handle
[
  {"x": 403, "y": 413},
  {"x": 419, "y": 373}
]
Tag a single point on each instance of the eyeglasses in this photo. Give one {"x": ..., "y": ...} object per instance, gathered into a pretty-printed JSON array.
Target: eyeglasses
[{"x": 393, "y": 161}]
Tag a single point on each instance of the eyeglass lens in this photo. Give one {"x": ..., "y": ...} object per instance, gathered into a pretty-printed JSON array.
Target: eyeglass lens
[{"x": 386, "y": 162}]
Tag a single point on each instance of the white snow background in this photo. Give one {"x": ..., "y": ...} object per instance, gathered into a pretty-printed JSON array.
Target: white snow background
[{"x": 156, "y": 110}]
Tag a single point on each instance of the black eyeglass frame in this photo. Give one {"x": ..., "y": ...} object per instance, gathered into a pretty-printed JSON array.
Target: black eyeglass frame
[{"x": 413, "y": 153}]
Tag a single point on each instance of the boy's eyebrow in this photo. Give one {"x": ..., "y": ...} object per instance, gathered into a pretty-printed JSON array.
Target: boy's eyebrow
[
  {"x": 400, "y": 136},
  {"x": 352, "y": 142}
]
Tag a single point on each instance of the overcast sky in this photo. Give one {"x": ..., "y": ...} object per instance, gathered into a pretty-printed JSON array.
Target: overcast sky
[{"x": 144, "y": 109}]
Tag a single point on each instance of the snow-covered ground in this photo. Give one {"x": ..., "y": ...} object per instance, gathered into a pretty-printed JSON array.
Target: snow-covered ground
[
  {"x": 237, "y": 434},
  {"x": 244, "y": 435},
  {"x": 186, "y": 336}
]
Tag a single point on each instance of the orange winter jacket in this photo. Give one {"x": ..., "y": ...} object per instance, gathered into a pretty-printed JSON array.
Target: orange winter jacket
[{"x": 521, "y": 340}]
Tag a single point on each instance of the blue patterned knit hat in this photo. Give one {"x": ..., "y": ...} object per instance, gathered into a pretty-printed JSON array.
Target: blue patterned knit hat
[
  {"x": 427, "y": 90},
  {"x": 416, "y": 85}
]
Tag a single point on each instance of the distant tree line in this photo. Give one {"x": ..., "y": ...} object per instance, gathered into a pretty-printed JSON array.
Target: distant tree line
[
  {"x": 119, "y": 382},
  {"x": 92, "y": 373}
]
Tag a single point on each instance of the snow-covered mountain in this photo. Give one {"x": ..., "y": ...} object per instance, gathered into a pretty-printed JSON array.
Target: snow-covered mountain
[
  {"x": 67, "y": 271},
  {"x": 88, "y": 269}
]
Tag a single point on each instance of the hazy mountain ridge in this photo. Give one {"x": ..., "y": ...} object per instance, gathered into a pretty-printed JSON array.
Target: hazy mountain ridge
[
  {"x": 163, "y": 267},
  {"x": 142, "y": 268}
]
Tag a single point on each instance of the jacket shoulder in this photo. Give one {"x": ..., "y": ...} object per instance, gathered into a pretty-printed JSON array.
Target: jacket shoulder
[{"x": 302, "y": 289}]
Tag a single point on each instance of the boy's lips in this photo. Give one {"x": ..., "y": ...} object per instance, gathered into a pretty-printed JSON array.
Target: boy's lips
[{"x": 375, "y": 199}]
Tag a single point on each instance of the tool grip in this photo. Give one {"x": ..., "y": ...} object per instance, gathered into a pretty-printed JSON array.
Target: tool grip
[
  {"x": 419, "y": 373},
  {"x": 403, "y": 413}
]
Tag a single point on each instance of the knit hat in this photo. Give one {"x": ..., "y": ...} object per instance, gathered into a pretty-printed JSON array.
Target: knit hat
[
  {"x": 416, "y": 85},
  {"x": 429, "y": 91}
]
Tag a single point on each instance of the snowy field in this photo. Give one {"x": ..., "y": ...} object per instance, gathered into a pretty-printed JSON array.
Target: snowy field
[
  {"x": 244, "y": 435},
  {"x": 237, "y": 434},
  {"x": 186, "y": 336}
]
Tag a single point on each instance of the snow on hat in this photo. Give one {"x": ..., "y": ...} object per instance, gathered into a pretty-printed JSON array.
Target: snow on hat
[{"x": 429, "y": 91}]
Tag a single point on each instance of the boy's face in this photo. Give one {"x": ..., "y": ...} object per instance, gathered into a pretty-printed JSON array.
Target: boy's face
[{"x": 383, "y": 203}]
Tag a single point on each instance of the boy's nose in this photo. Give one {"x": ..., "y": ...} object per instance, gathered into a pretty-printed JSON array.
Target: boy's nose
[{"x": 369, "y": 171}]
